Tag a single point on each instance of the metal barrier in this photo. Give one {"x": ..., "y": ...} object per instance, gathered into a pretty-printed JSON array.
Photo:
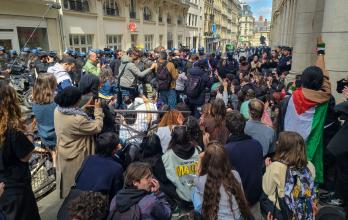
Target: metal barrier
[{"x": 133, "y": 125}]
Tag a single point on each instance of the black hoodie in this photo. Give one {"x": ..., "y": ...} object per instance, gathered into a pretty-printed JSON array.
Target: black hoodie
[{"x": 128, "y": 197}]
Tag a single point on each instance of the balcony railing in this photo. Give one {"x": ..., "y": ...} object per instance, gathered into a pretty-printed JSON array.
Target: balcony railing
[{"x": 76, "y": 5}]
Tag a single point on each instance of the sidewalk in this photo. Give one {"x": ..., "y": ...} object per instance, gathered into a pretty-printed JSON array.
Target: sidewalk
[{"x": 49, "y": 206}]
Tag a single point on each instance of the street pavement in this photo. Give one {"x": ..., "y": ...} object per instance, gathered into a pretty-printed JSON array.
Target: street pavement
[{"x": 49, "y": 206}]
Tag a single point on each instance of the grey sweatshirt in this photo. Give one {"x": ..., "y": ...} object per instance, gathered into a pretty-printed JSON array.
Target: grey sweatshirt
[{"x": 131, "y": 72}]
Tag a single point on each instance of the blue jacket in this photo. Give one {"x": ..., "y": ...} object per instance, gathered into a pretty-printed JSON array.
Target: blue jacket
[
  {"x": 246, "y": 157},
  {"x": 101, "y": 174},
  {"x": 44, "y": 114},
  {"x": 206, "y": 83}
]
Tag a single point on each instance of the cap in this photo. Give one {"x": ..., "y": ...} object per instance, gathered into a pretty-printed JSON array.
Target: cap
[{"x": 68, "y": 60}]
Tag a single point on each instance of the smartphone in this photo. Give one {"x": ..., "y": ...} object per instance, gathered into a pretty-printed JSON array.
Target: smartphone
[{"x": 341, "y": 84}]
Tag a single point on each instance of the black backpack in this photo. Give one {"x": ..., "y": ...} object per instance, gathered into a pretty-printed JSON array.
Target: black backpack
[
  {"x": 193, "y": 86},
  {"x": 164, "y": 78},
  {"x": 132, "y": 213}
]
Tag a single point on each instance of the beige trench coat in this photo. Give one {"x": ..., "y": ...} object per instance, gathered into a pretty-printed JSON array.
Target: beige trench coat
[{"x": 75, "y": 141}]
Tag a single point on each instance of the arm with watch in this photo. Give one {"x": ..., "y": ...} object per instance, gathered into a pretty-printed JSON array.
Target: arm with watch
[{"x": 326, "y": 87}]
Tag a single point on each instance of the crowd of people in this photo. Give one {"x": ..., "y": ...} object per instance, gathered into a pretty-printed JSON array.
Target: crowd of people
[{"x": 234, "y": 138}]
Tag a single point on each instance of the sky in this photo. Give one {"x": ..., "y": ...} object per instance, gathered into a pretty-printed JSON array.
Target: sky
[{"x": 260, "y": 7}]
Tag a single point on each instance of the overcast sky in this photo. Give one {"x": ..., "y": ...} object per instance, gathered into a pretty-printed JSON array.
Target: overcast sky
[{"x": 260, "y": 7}]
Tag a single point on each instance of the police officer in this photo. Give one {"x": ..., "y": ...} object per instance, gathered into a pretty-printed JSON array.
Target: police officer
[
  {"x": 13, "y": 57},
  {"x": 24, "y": 57},
  {"x": 3, "y": 58},
  {"x": 52, "y": 58},
  {"x": 41, "y": 64}
]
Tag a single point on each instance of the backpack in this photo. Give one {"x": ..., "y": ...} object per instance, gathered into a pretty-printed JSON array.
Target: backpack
[
  {"x": 132, "y": 213},
  {"x": 299, "y": 198},
  {"x": 164, "y": 78},
  {"x": 193, "y": 86}
]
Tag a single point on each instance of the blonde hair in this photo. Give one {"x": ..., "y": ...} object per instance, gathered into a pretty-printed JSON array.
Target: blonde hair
[
  {"x": 44, "y": 87},
  {"x": 291, "y": 149}
]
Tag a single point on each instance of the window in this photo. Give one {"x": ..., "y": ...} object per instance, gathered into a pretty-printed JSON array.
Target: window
[
  {"x": 179, "y": 40},
  {"x": 134, "y": 40},
  {"x": 39, "y": 39},
  {"x": 169, "y": 19},
  {"x": 81, "y": 42},
  {"x": 180, "y": 20},
  {"x": 133, "y": 10},
  {"x": 76, "y": 5},
  {"x": 169, "y": 40},
  {"x": 114, "y": 41},
  {"x": 149, "y": 42},
  {"x": 110, "y": 8},
  {"x": 161, "y": 40},
  {"x": 160, "y": 16},
  {"x": 147, "y": 14}
]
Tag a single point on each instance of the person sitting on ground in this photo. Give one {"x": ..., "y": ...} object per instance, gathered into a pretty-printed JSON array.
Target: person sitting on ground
[
  {"x": 218, "y": 192},
  {"x": 165, "y": 127},
  {"x": 103, "y": 166},
  {"x": 140, "y": 196},
  {"x": 151, "y": 153},
  {"x": 180, "y": 161},
  {"x": 43, "y": 108},
  {"x": 61, "y": 72},
  {"x": 89, "y": 206},
  {"x": 245, "y": 155},
  {"x": 264, "y": 134},
  {"x": 215, "y": 124},
  {"x": 244, "y": 108},
  {"x": 194, "y": 132},
  {"x": 292, "y": 175}
]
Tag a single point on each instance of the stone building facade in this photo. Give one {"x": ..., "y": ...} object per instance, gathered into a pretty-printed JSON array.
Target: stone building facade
[
  {"x": 86, "y": 24},
  {"x": 246, "y": 26},
  {"x": 194, "y": 22},
  {"x": 262, "y": 29},
  {"x": 224, "y": 15},
  {"x": 298, "y": 23}
]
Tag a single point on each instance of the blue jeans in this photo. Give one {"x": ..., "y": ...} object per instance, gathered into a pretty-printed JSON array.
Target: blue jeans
[{"x": 168, "y": 97}]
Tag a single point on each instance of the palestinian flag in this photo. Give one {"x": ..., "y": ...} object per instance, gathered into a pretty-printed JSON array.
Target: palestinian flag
[{"x": 307, "y": 118}]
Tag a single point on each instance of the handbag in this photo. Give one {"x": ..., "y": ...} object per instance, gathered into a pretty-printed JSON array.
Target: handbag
[
  {"x": 266, "y": 205},
  {"x": 63, "y": 213}
]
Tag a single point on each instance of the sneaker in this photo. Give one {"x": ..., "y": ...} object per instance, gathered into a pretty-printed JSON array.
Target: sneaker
[{"x": 330, "y": 199}]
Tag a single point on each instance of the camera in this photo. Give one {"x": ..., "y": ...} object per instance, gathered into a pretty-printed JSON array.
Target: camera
[{"x": 341, "y": 84}]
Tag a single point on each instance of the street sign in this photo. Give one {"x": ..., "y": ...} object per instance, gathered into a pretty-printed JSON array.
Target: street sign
[{"x": 213, "y": 28}]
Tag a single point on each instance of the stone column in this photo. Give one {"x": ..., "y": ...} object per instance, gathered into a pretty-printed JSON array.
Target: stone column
[
  {"x": 100, "y": 34},
  {"x": 304, "y": 41},
  {"x": 292, "y": 28},
  {"x": 286, "y": 23},
  {"x": 281, "y": 23},
  {"x": 335, "y": 35}
]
